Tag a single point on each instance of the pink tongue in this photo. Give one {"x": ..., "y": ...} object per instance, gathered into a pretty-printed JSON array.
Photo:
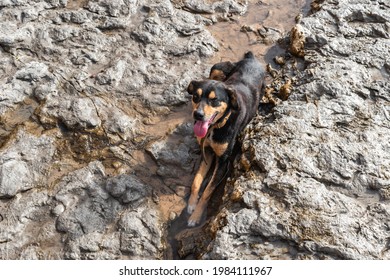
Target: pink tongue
[{"x": 200, "y": 128}]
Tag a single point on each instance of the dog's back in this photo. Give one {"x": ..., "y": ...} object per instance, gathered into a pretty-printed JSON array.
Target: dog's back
[{"x": 247, "y": 78}]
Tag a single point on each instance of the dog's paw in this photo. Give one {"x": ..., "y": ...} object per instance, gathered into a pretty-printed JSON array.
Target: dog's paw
[
  {"x": 194, "y": 218},
  {"x": 191, "y": 208},
  {"x": 193, "y": 222},
  {"x": 192, "y": 204}
]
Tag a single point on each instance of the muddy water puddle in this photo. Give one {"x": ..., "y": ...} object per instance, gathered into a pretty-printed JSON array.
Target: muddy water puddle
[
  {"x": 76, "y": 4},
  {"x": 258, "y": 30}
]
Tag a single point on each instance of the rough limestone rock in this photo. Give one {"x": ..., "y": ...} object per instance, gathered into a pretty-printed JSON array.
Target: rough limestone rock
[
  {"x": 82, "y": 83},
  {"x": 92, "y": 206},
  {"x": 24, "y": 163},
  {"x": 175, "y": 157},
  {"x": 97, "y": 157},
  {"x": 85, "y": 64},
  {"x": 315, "y": 173}
]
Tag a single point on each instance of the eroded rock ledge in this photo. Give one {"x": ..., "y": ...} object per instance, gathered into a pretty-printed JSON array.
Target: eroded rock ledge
[{"x": 315, "y": 173}]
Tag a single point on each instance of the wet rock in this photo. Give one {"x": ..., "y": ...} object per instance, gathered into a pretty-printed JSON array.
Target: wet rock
[
  {"x": 265, "y": 35},
  {"x": 269, "y": 35},
  {"x": 319, "y": 163}
]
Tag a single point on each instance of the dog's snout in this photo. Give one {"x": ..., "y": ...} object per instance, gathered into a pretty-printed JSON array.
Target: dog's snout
[{"x": 199, "y": 115}]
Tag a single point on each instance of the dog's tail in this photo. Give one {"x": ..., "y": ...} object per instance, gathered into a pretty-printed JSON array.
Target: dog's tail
[{"x": 249, "y": 55}]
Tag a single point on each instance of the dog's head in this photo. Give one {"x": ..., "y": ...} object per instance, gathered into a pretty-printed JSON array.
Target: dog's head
[{"x": 210, "y": 101}]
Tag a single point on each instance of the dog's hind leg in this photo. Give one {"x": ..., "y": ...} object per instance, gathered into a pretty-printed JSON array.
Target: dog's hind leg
[
  {"x": 221, "y": 71},
  {"x": 199, "y": 177},
  {"x": 218, "y": 175}
]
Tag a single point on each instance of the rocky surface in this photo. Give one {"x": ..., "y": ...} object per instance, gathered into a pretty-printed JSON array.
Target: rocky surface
[
  {"x": 82, "y": 85},
  {"x": 96, "y": 147},
  {"x": 315, "y": 173}
]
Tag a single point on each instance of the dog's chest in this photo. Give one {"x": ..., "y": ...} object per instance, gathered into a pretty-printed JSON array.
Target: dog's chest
[{"x": 219, "y": 148}]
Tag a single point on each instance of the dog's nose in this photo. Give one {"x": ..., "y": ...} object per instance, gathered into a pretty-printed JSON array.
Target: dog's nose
[{"x": 199, "y": 115}]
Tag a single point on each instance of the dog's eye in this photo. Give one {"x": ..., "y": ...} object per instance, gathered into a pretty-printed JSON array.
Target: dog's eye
[{"x": 214, "y": 102}]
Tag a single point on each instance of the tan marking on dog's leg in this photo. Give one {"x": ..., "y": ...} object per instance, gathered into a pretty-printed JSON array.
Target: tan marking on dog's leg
[
  {"x": 217, "y": 75},
  {"x": 202, "y": 204},
  {"x": 198, "y": 180},
  {"x": 219, "y": 148}
]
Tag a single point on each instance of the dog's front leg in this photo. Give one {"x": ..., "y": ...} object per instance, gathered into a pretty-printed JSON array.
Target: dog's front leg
[
  {"x": 218, "y": 175},
  {"x": 199, "y": 177}
]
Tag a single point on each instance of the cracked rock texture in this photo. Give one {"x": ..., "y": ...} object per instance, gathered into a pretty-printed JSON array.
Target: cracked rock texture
[
  {"x": 319, "y": 177},
  {"x": 97, "y": 156},
  {"x": 80, "y": 82}
]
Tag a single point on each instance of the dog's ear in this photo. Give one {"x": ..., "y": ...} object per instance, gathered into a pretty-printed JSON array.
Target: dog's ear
[
  {"x": 192, "y": 87},
  {"x": 232, "y": 97}
]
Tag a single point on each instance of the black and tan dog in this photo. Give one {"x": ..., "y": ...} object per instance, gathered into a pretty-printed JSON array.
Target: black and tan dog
[{"x": 222, "y": 106}]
